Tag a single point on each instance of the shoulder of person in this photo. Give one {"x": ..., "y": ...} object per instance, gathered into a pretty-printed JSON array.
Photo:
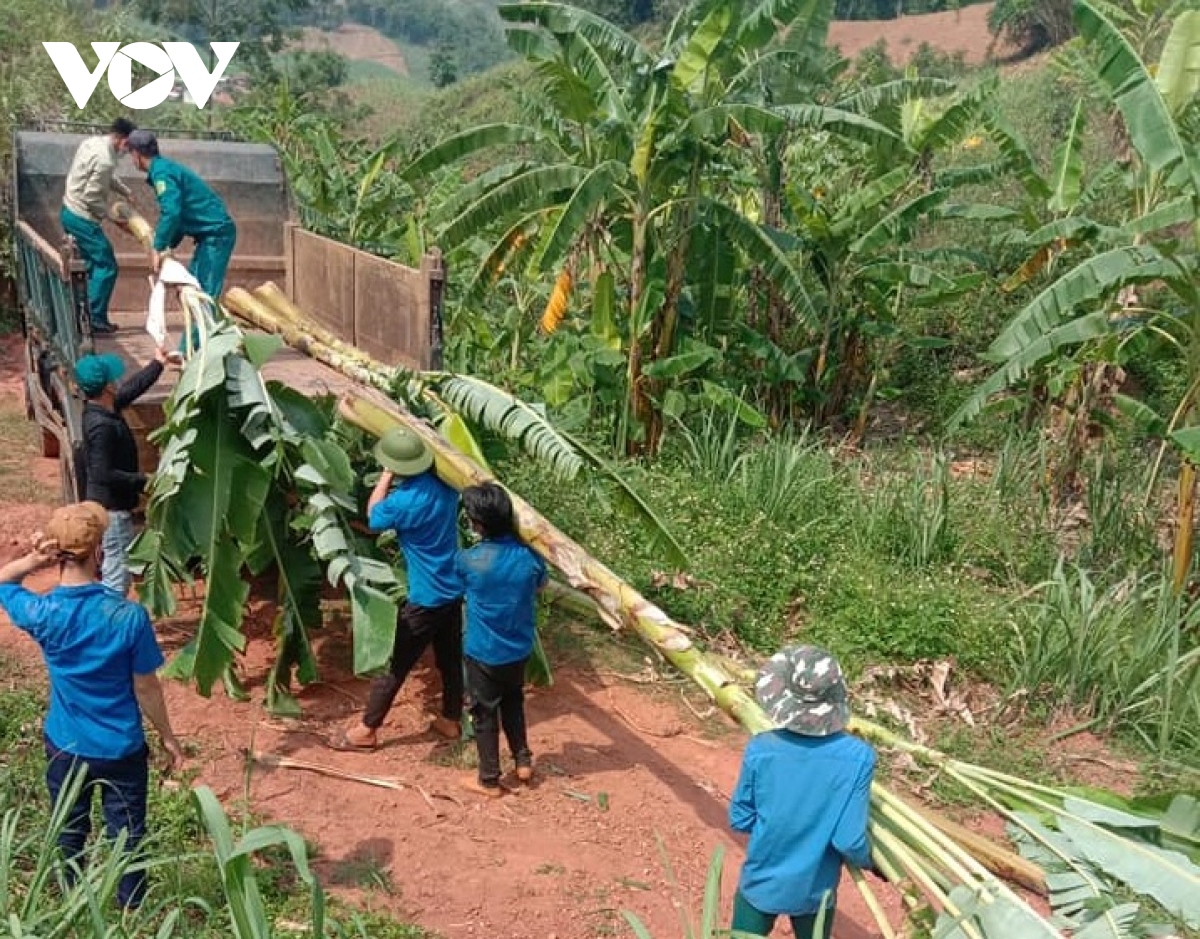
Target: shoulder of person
[
  {"x": 468, "y": 559},
  {"x": 129, "y": 614},
  {"x": 852, "y": 747}
]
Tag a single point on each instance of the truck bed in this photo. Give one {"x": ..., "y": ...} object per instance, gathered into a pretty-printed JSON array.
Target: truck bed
[{"x": 133, "y": 344}]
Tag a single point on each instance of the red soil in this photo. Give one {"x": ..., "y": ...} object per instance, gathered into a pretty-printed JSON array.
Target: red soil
[
  {"x": 964, "y": 30},
  {"x": 620, "y": 768}
]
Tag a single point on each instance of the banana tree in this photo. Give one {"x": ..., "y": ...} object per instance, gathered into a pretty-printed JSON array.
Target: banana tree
[
  {"x": 1139, "y": 284},
  {"x": 616, "y": 174},
  {"x": 854, "y": 210},
  {"x": 250, "y": 479}
]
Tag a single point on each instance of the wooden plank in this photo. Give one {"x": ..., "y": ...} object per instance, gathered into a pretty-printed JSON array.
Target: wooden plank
[
  {"x": 388, "y": 321},
  {"x": 324, "y": 282}
]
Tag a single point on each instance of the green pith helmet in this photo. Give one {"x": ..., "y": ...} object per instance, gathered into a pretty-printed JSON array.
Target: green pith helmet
[
  {"x": 802, "y": 690},
  {"x": 403, "y": 452}
]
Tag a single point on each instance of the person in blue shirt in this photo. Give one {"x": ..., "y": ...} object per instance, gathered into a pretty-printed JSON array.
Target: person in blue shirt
[
  {"x": 188, "y": 208},
  {"x": 803, "y": 796},
  {"x": 101, "y": 655},
  {"x": 423, "y": 511},
  {"x": 501, "y": 576}
]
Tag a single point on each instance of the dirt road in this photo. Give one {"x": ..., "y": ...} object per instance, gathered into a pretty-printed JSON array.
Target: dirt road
[{"x": 622, "y": 770}]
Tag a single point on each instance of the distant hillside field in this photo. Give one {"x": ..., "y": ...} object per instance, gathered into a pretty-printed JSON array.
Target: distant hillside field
[
  {"x": 358, "y": 44},
  {"x": 963, "y": 30}
]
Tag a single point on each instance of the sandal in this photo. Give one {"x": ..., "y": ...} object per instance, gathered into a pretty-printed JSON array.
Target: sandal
[{"x": 340, "y": 741}]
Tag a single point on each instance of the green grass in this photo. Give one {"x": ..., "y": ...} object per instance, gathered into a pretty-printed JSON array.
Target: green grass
[
  {"x": 19, "y": 442},
  {"x": 184, "y": 875},
  {"x": 894, "y": 556}
]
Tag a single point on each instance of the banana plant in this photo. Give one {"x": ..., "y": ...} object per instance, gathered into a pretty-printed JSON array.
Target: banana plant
[
  {"x": 853, "y": 209},
  {"x": 249, "y": 479},
  {"x": 1138, "y": 283},
  {"x": 620, "y": 165}
]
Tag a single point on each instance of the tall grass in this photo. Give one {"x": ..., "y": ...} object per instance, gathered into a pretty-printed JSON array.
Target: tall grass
[
  {"x": 714, "y": 446},
  {"x": 1123, "y": 654},
  {"x": 788, "y": 479},
  {"x": 38, "y": 900},
  {"x": 907, "y": 515},
  {"x": 209, "y": 878}
]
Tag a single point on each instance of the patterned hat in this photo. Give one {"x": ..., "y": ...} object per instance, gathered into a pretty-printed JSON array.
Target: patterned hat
[{"x": 801, "y": 689}]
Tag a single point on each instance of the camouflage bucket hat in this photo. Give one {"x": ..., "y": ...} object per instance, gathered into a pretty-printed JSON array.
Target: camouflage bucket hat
[{"x": 802, "y": 690}]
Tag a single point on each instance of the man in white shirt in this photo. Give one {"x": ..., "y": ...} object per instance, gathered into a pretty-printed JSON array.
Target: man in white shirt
[{"x": 90, "y": 183}]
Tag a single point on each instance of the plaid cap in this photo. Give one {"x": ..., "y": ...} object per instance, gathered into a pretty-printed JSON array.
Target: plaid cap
[
  {"x": 802, "y": 689},
  {"x": 77, "y": 529}
]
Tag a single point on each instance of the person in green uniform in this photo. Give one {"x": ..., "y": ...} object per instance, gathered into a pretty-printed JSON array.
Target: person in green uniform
[{"x": 188, "y": 208}]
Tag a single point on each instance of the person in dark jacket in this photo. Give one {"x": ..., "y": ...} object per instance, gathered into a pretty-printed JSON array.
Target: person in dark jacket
[{"x": 113, "y": 477}]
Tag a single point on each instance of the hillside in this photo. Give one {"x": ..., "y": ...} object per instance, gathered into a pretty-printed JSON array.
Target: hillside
[
  {"x": 358, "y": 44},
  {"x": 962, "y": 31},
  {"x": 389, "y": 41}
]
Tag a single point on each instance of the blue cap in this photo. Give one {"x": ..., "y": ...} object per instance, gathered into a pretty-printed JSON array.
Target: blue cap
[{"x": 94, "y": 372}]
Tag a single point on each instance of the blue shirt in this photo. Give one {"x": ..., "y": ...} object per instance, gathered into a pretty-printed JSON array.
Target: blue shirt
[
  {"x": 804, "y": 801},
  {"x": 187, "y": 205},
  {"x": 502, "y": 577},
  {"x": 94, "y": 642},
  {"x": 423, "y": 510}
]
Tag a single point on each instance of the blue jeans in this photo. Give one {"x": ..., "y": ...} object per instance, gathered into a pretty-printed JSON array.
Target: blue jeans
[
  {"x": 114, "y": 568},
  {"x": 99, "y": 259},
  {"x": 124, "y": 785}
]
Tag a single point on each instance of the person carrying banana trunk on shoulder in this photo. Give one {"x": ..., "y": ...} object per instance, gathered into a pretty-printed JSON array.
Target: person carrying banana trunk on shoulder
[
  {"x": 412, "y": 501},
  {"x": 91, "y": 182},
  {"x": 188, "y": 208}
]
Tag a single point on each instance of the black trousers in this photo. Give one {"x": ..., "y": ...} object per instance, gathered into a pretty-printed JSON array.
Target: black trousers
[
  {"x": 497, "y": 700},
  {"x": 417, "y": 627},
  {"x": 124, "y": 786}
]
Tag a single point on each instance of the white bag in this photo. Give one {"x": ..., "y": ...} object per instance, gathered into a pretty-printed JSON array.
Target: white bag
[{"x": 170, "y": 273}]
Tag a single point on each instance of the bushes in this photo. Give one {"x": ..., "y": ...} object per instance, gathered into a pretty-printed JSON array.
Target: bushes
[{"x": 1031, "y": 25}]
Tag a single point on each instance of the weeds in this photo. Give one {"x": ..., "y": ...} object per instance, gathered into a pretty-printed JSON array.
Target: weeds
[
  {"x": 714, "y": 449},
  {"x": 1121, "y": 653},
  {"x": 784, "y": 477},
  {"x": 907, "y": 516}
]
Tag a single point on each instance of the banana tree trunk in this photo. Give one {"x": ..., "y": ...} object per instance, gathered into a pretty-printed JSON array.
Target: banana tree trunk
[
  {"x": 1185, "y": 527},
  {"x": 620, "y": 601},
  {"x": 637, "y": 402},
  {"x": 616, "y": 602}
]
